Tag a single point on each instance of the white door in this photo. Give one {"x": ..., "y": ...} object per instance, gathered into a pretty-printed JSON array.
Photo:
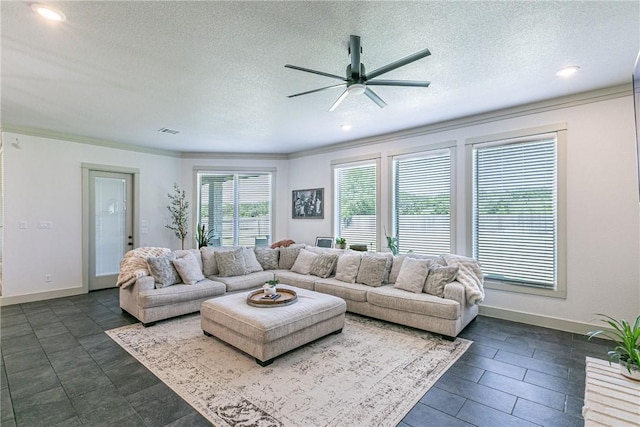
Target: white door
[{"x": 110, "y": 226}]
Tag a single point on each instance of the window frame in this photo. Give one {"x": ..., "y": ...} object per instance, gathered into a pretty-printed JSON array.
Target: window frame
[
  {"x": 197, "y": 170},
  {"x": 419, "y": 152},
  {"x": 354, "y": 162},
  {"x": 532, "y": 134}
]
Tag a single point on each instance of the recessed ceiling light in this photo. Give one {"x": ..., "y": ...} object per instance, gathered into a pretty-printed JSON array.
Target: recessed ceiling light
[
  {"x": 346, "y": 127},
  {"x": 48, "y": 12},
  {"x": 568, "y": 71}
]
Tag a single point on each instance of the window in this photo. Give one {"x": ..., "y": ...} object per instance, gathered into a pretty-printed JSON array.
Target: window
[
  {"x": 422, "y": 202},
  {"x": 516, "y": 211},
  {"x": 236, "y": 206},
  {"x": 356, "y": 202}
]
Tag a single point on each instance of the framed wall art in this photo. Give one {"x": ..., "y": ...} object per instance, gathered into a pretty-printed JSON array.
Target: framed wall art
[{"x": 307, "y": 204}]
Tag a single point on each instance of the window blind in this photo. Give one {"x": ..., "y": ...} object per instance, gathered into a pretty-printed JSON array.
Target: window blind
[
  {"x": 422, "y": 202},
  {"x": 237, "y": 207},
  {"x": 355, "y": 204},
  {"x": 515, "y": 211}
]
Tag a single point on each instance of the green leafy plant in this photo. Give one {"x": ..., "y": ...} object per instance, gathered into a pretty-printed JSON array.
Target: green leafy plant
[
  {"x": 203, "y": 236},
  {"x": 626, "y": 338},
  {"x": 272, "y": 283},
  {"x": 392, "y": 243},
  {"x": 341, "y": 241},
  {"x": 179, "y": 209}
]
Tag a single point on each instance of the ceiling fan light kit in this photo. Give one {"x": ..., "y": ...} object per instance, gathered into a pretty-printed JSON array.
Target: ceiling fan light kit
[{"x": 357, "y": 80}]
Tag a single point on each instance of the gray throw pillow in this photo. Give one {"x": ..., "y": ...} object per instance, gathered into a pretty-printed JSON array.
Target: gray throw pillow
[
  {"x": 162, "y": 270},
  {"x": 324, "y": 265},
  {"x": 303, "y": 262},
  {"x": 195, "y": 252},
  {"x": 230, "y": 263},
  {"x": 251, "y": 264},
  {"x": 188, "y": 269},
  {"x": 267, "y": 257},
  {"x": 373, "y": 269},
  {"x": 438, "y": 277},
  {"x": 413, "y": 275},
  {"x": 347, "y": 268},
  {"x": 288, "y": 257}
]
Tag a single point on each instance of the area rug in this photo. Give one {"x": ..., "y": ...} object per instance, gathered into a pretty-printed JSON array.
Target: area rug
[{"x": 371, "y": 374}]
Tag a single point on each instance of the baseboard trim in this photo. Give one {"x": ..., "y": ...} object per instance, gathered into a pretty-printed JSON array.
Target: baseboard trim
[
  {"x": 41, "y": 296},
  {"x": 538, "y": 320}
]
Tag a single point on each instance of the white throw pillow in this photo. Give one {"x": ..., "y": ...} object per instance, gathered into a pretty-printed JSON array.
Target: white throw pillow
[
  {"x": 413, "y": 275},
  {"x": 188, "y": 269},
  {"x": 303, "y": 262},
  {"x": 251, "y": 264},
  {"x": 348, "y": 265}
]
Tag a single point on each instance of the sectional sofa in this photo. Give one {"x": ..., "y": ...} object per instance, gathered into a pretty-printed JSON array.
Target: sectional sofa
[{"x": 439, "y": 294}]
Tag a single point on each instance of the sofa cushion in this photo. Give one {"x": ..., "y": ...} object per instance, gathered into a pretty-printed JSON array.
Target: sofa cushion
[
  {"x": 303, "y": 262},
  {"x": 413, "y": 275},
  {"x": 438, "y": 277},
  {"x": 188, "y": 269},
  {"x": 324, "y": 265},
  {"x": 288, "y": 257},
  {"x": 162, "y": 269},
  {"x": 347, "y": 268},
  {"x": 304, "y": 281},
  {"x": 374, "y": 269},
  {"x": 180, "y": 293},
  {"x": 195, "y": 252},
  {"x": 245, "y": 281},
  {"x": 398, "y": 259},
  {"x": 267, "y": 257},
  {"x": 397, "y": 299},
  {"x": 349, "y": 291},
  {"x": 251, "y": 264},
  {"x": 208, "y": 255},
  {"x": 231, "y": 263}
]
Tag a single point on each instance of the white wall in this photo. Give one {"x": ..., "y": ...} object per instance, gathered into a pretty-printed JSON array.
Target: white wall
[
  {"x": 43, "y": 182},
  {"x": 188, "y": 178},
  {"x": 603, "y": 230}
]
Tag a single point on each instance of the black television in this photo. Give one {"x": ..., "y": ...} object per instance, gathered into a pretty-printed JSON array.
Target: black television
[{"x": 636, "y": 105}]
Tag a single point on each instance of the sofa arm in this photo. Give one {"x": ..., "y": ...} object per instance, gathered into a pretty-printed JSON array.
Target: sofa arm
[
  {"x": 145, "y": 283},
  {"x": 455, "y": 291}
]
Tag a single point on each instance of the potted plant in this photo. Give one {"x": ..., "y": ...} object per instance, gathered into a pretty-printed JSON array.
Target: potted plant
[
  {"x": 179, "y": 210},
  {"x": 270, "y": 287},
  {"x": 203, "y": 236},
  {"x": 341, "y": 243},
  {"x": 626, "y": 338},
  {"x": 392, "y": 243}
]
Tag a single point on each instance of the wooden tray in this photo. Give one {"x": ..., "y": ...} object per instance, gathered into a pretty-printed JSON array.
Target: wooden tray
[{"x": 287, "y": 297}]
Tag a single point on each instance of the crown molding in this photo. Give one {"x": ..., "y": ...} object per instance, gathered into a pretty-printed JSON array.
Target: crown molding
[
  {"x": 582, "y": 98},
  {"x": 243, "y": 156}
]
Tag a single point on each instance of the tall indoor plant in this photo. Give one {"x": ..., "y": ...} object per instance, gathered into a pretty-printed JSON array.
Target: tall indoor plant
[
  {"x": 179, "y": 210},
  {"x": 626, "y": 338}
]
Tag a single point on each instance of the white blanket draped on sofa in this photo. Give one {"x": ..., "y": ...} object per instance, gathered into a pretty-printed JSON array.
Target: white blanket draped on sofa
[
  {"x": 134, "y": 264},
  {"x": 469, "y": 275}
]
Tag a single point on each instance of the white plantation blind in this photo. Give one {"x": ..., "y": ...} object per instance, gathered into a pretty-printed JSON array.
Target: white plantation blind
[
  {"x": 355, "y": 203},
  {"x": 422, "y": 202},
  {"x": 237, "y": 207},
  {"x": 515, "y": 211}
]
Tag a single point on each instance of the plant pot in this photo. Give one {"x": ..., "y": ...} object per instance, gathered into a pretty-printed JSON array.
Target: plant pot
[
  {"x": 635, "y": 371},
  {"x": 269, "y": 290},
  {"x": 341, "y": 246}
]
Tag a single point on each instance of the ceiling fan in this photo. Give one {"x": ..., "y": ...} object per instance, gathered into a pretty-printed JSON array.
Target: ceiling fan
[{"x": 357, "y": 80}]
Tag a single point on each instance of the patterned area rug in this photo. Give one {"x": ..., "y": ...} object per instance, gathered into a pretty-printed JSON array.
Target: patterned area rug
[{"x": 371, "y": 374}]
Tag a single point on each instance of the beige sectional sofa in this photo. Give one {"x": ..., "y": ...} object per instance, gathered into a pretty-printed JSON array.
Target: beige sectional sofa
[{"x": 446, "y": 313}]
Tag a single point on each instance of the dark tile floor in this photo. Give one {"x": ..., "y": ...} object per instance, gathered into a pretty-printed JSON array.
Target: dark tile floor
[{"x": 60, "y": 369}]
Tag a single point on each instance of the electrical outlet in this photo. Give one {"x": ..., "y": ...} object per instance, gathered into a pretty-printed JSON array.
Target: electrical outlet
[
  {"x": 45, "y": 225},
  {"x": 47, "y": 278}
]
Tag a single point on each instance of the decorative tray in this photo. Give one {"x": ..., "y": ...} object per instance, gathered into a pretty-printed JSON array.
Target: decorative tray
[{"x": 258, "y": 299}]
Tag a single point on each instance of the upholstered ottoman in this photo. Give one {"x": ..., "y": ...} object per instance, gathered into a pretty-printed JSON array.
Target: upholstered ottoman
[{"x": 267, "y": 332}]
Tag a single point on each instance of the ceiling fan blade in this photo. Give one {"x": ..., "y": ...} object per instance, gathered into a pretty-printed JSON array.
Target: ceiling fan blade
[
  {"x": 333, "y": 76},
  {"x": 354, "y": 50},
  {"x": 412, "y": 83},
  {"x": 339, "y": 100},
  {"x": 317, "y": 90},
  {"x": 397, "y": 64},
  {"x": 375, "y": 98}
]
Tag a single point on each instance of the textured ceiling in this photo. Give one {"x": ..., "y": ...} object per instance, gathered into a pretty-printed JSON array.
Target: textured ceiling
[{"x": 119, "y": 71}]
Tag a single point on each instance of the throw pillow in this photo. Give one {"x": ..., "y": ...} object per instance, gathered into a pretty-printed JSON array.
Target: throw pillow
[
  {"x": 162, "y": 270},
  {"x": 372, "y": 270},
  {"x": 230, "y": 263},
  {"x": 267, "y": 257},
  {"x": 438, "y": 277},
  {"x": 303, "y": 262},
  {"x": 395, "y": 267},
  {"x": 287, "y": 258},
  {"x": 195, "y": 252},
  {"x": 324, "y": 265},
  {"x": 347, "y": 268},
  {"x": 251, "y": 264},
  {"x": 413, "y": 275},
  {"x": 188, "y": 269},
  {"x": 208, "y": 255}
]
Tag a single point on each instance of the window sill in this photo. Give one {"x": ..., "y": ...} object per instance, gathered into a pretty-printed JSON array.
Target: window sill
[{"x": 559, "y": 292}]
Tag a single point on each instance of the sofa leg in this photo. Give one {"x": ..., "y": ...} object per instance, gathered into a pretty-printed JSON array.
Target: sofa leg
[
  {"x": 448, "y": 338},
  {"x": 206, "y": 334},
  {"x": 337, "y": 332},
  {"x": 146, "y": 325},
  {"x": 265, "y": 363}
]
